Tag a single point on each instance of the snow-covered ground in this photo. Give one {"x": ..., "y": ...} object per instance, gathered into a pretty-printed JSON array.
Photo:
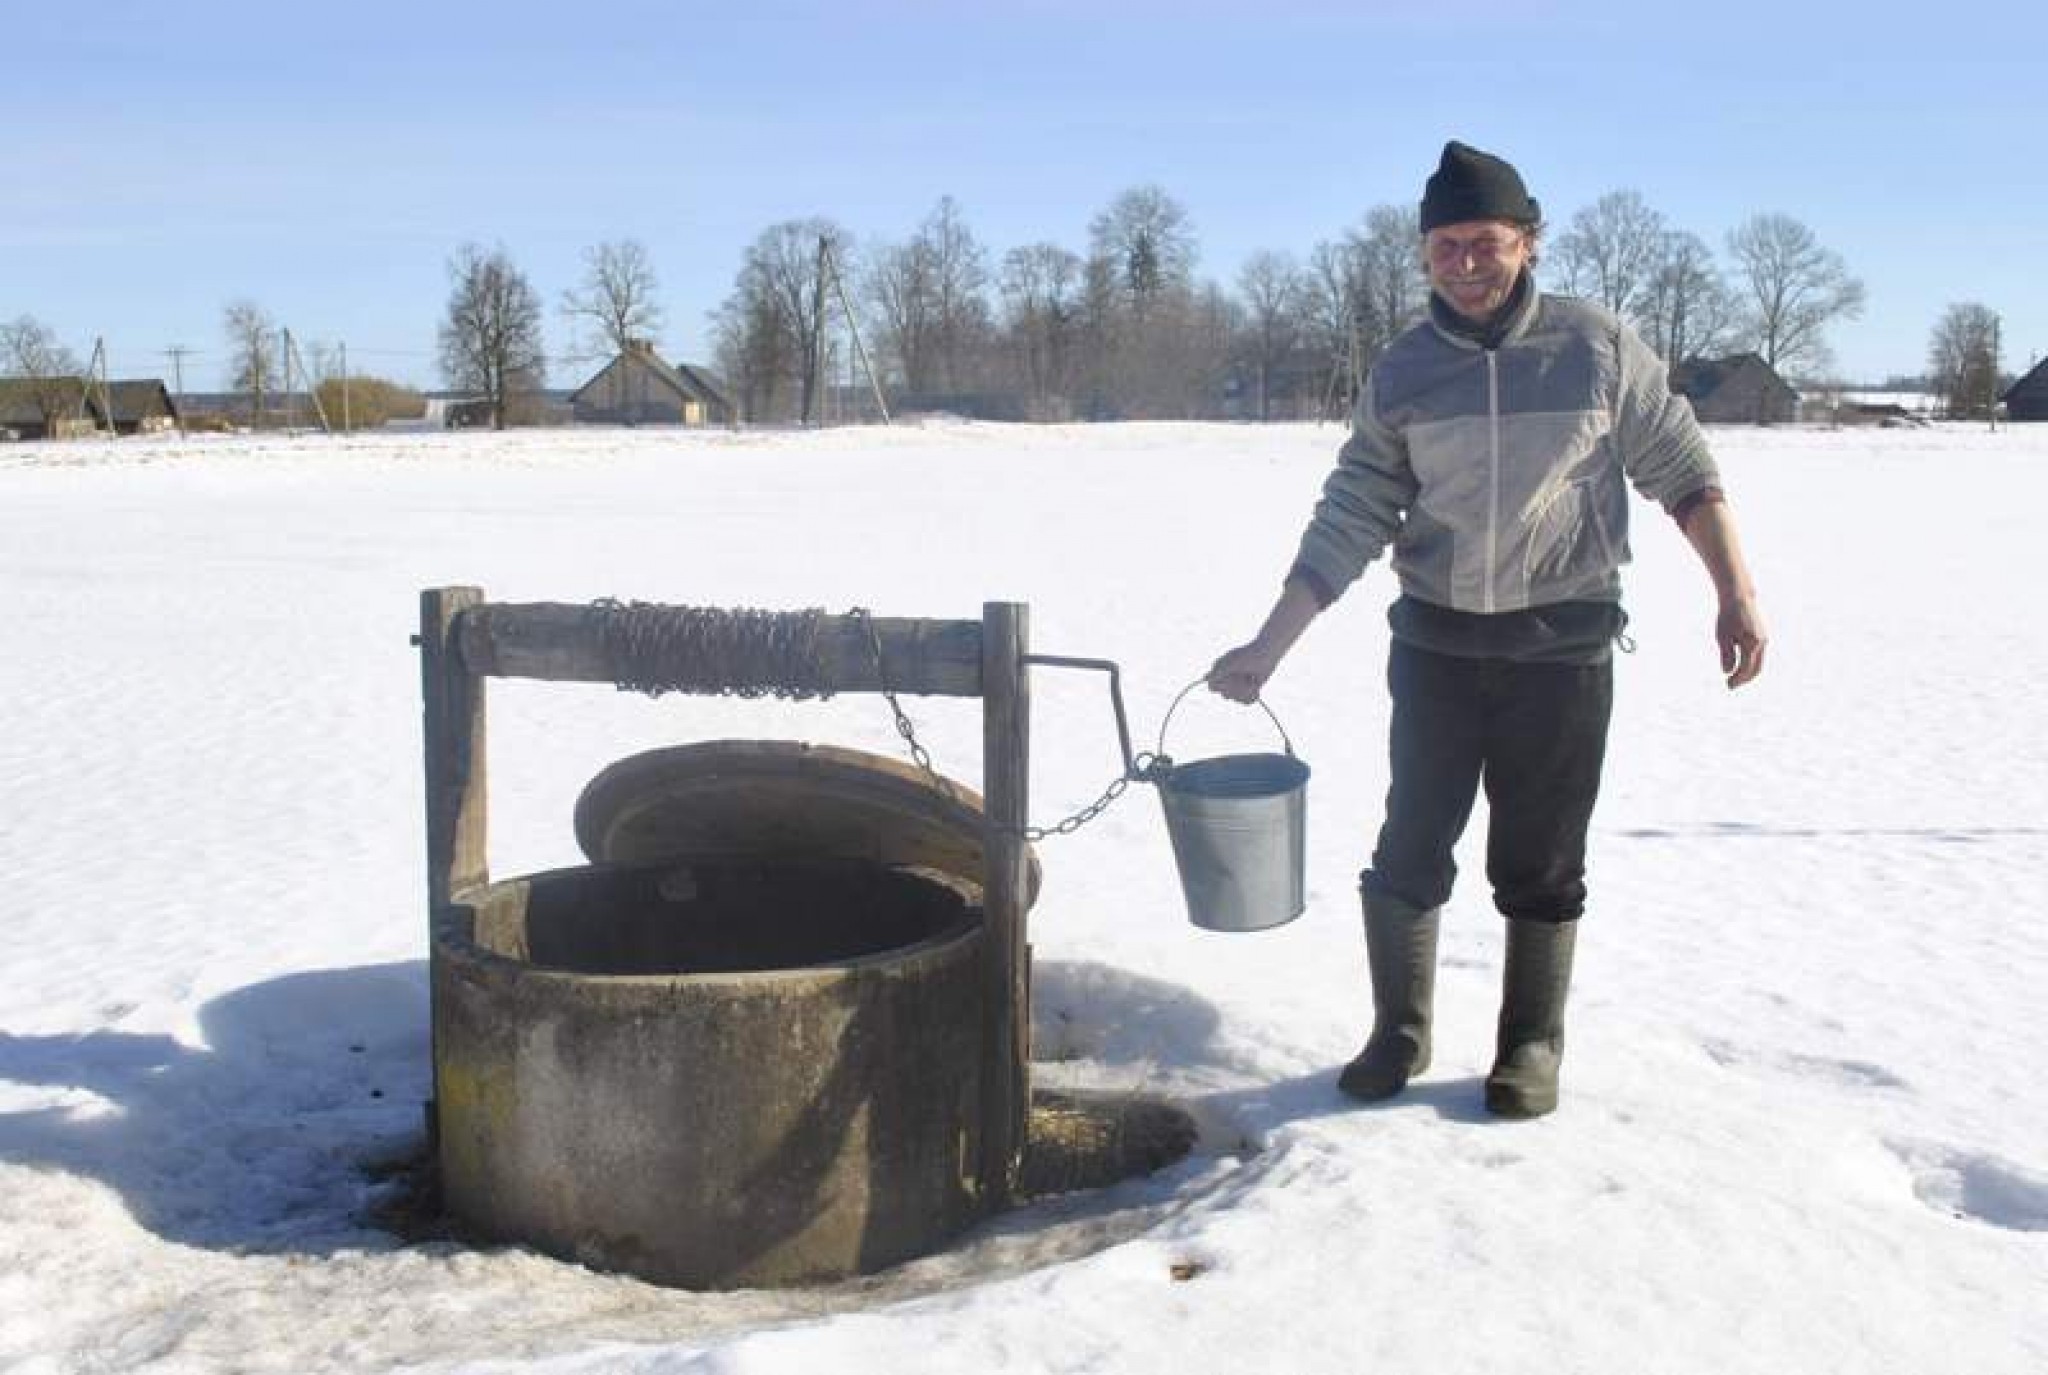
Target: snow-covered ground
[{"x": 1804, "y": 1115}]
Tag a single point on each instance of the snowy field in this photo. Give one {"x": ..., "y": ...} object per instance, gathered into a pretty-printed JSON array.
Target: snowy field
[{"x": 1805, "y": 1124}]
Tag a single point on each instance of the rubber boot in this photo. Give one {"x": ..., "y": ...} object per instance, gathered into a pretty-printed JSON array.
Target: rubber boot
[
  {"x": 1530, "y": 1046},
  {"x": 1400, "y": 948}
]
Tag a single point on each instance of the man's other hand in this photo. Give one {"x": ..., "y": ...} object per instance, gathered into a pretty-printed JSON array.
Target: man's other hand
[{"x": 1739, "y": 630}]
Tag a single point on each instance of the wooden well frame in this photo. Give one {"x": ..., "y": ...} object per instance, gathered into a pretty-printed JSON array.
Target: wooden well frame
[{"x": 465, "y": 640}]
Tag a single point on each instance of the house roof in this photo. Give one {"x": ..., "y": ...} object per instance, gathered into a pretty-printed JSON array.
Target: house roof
[
  {"x": 2033, "y": 379},
  {"x": 22, "y": 398},
  {"x": 708, "y": 383},
  {"x": 1700, "y": 378},
  {"x": 138, "y": 398},
  {"x": 690, "y": 383}
]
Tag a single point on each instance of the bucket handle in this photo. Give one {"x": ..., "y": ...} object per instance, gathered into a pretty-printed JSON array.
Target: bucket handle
[{"x": 1259, "y": 702}]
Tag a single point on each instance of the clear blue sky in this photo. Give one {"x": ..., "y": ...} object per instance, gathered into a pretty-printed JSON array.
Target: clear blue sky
[{"x": 325, "y": 161}]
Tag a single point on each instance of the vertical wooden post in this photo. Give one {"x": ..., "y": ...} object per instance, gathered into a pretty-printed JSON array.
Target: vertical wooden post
[
  {"x": 1006, "y": 788},
  {"x": 453, "y": 739}
]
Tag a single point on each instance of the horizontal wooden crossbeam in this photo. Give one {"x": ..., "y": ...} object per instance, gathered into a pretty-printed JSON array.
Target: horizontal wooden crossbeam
[{"x": 564, "y": 642}]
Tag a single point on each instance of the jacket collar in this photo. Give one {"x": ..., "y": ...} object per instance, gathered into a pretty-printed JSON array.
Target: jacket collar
[{"x": 1510, "y": 322}]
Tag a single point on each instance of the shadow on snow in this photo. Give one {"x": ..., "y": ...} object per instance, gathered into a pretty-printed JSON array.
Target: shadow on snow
[{"x": 269, "y": 1137}]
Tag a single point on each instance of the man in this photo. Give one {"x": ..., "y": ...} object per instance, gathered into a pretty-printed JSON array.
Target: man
[{"x": 1492, "y": 449}]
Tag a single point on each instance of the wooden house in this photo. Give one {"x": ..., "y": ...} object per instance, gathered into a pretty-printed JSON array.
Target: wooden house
[
  {"x": 1739, "y": 390},
  {"x": 50, "y": 408},
  {"x": 2027, "y": 399},
  {"x": 142, "y": 405},
  {"x": 638, "y": 388}
]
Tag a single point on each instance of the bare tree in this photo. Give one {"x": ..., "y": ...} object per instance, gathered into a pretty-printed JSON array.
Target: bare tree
[
  {"x": 253, "y": 365},
  {"x": 1144, "y": 238},
  {"x": 902, "y": 288},
  {"x": 1042, "y": 308},
  {"x": 1100, "y": 330},
  {"x": 755, "y": 350},
  {"x": 49, "y": 372},
  {"x": 1963, "y": 359},
  {"x": 1362, "y": 290},
  {"x": 1141, "y": 304},
  {"x": 1792, "y": 289},
  {"x": 960, "y": 280},
  {"x": 1334, "y": 308},
  {"x": 491, "y": 338},
  {"x": 1272, "y": 288},
  {"x": 931, "y": 301},
  {"x": 1611, "y": 250},
  {"x": 780, "y": 305},
  {"x": 1388, "y": 255},
  {"x": 617, "y": 296},
  {"x": 1687, "y": 310},
  {"x": 323, "y": 360},
  {"x": 1214, "y": 323}
]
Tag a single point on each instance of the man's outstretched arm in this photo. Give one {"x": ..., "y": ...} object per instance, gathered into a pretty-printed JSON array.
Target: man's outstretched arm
[{"x": 1241, "y": 673}]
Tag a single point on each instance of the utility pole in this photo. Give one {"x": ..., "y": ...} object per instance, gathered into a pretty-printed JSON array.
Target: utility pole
[
  {"x": 345, "y": 426},
  {"x": 1997, "y": 348},
  {"x": 256, "y": 362},
  {"x": 813, "y": 412},
  {"x": 825, "y": 260},
  {"x": 291, "y": 356},
  {"x": 96, "y": 371},
  {"x": 176, "y": 353},
  {"x": 291, "y": 401},
  {"x": 99, "y": 348}
]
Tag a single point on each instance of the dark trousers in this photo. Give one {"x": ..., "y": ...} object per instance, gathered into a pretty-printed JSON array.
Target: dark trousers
[{"x": 1536, "y": 735}]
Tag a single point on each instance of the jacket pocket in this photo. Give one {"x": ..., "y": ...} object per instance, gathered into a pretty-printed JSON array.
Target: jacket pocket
[{"x": 1570, "y": 540}]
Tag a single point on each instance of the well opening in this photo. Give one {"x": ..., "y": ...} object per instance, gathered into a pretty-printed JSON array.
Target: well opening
[{"x": 710, "y": 916}]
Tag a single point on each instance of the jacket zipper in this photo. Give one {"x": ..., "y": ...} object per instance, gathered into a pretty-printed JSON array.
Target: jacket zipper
[{"x": 1493, "y": 474}]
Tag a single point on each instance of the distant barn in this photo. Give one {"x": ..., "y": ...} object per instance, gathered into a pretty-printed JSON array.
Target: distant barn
[
  {"x": 1739, "y": 390},
  {"x": 49, "y": 408},
  {"x": 2027, "y": 399},
  {"x": 638, "y": 388},
  {"x": 142, "y": 405}
]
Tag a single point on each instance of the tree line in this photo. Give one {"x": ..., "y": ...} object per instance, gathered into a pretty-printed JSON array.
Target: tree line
[
  {"x": 1122, "y": 327},
  {"x": 1125, "y": 328}
]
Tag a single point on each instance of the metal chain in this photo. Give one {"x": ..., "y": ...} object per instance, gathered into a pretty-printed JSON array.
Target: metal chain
[
  {"x": 903, "y": 726},
  {"x": 735, "y": 652},
  {"x": 1149, "y": 766},
  {"x": 1148, "y": 770}
]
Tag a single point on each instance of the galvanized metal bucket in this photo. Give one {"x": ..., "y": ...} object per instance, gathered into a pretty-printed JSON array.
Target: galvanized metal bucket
[{"x": 1238, "y": 823}]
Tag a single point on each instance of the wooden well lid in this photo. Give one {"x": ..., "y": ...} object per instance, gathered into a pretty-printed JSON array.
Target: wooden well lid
[{"x": 786, "y": 799}]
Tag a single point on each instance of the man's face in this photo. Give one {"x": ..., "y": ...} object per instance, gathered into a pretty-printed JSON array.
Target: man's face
[{"x": 1473, "y": 264}]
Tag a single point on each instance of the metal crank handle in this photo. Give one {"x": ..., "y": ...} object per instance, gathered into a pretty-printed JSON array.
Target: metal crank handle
[{"x": 1133, "y": 769}]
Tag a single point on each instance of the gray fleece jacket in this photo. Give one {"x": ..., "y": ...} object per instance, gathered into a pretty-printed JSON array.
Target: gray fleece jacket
[{"x": 1497, "y": 474}]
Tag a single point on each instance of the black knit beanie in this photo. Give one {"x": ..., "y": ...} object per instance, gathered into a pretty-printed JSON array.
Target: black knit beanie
[{"x": 1471, "y": 185}]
